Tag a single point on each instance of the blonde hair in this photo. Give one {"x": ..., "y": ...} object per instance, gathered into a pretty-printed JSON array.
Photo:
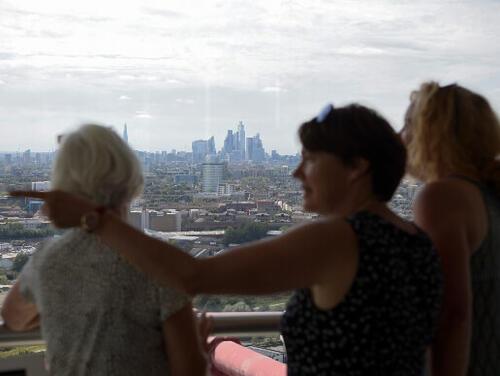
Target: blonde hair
[
  {"x": 96, "y": 163},
  {"x": 452, "y": 130}
]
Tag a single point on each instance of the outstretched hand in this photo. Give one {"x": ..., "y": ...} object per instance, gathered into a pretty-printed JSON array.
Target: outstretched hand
[{"x": 64, "y": 209}]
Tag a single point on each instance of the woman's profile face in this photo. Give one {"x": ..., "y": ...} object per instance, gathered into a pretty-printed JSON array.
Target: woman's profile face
[
  {"x": 405, "y": 133},
  {"x": 325, "y": 181}
]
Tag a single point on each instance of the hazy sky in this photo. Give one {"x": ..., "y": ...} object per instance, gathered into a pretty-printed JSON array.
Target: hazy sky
[{"x": 176, "y": 71}]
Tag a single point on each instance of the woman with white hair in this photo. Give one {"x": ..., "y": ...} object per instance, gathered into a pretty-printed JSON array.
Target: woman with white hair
[{"x": 99, "y": 315}]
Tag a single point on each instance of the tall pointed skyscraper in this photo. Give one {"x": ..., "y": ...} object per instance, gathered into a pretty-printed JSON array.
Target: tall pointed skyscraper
[
  {"x": 241, "y": 137},
  {"x": 125, "y": 133}
]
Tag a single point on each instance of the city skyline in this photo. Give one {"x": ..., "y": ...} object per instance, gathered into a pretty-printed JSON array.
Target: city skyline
[
  {"x": 125, "y": 136},
  {"x": 177, "y": 71}
]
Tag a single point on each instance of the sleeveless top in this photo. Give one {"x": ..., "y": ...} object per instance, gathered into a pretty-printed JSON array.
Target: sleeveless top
[
  {"x": 386, "y": 320},
  {"x": 485, "y": 284}
]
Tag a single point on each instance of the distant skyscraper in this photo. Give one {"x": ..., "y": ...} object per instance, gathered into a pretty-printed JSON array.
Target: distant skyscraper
[
  {"x": 125, "y": 133},
  {"x": 211, "y": 146},
  {"x": 212, "y": 175},
  {"x": 27, "y": 156},
  {"x": 228, "y": 142},
  {"x": 241, "y": 137},
  {"x": 202, "y": 149},
  {"x": 237, "y": 147},
  {"x": 41, "y": 186},
  {"x": 255, "y": 150}
]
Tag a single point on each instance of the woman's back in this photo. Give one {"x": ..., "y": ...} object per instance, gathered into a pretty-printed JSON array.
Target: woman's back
[
  {"x": 99, "y": 315},
  {"x": 385, "y": 321},
  {"x": 485, "y": 283}
]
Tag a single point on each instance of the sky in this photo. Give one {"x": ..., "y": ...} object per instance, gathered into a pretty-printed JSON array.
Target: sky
[{"x": 180, "y": 70}]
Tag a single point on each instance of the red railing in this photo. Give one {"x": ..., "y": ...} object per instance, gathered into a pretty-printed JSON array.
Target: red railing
[{"x": 229, "y": 358}]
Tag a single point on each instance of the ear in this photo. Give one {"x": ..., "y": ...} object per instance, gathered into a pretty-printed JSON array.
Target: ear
[{"x": 359, "y": 168}]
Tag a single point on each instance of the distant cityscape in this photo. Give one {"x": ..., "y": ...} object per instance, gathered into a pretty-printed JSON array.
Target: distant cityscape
[
  {"x": 205, "y": 200},
  {"x": 237, "y": 149}
]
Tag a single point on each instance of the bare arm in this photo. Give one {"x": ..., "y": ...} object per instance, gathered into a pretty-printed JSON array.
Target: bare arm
[
  {"x": 437, "y": 212},
  {"x": 19, "y": 314},
  {"x": 182, "y": 344},
  {"x": 302, "y": 257}
]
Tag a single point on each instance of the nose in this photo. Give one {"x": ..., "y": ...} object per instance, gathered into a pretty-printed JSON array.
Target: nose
[
  {"x": 299, "y": 173},
  {"x": 404, "y": 136}
]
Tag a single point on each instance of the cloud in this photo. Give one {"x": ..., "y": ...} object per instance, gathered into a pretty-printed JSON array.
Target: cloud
[
  {"x": 137, "y": 77},
  {"x": 127, "y": 77},
  {"x": 124, "y": 98},
  {"x": 185, "y": 100},
  {"x": 162, "y": 12},
  {"x": 142, "y": 115},
  {"x": 273, "y": 89},
  {"x": 360, "y": 51}
]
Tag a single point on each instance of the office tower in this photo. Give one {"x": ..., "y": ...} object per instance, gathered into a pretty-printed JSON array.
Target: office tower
[
  {"x": 211, "y": 146},
  {"x": 35, "y": 204},
  {"x": 40, "y": 186},
  {"x": 27, "y": 156},
  {"x": 200, "y": 150},
  {"x": 228, "y": 142},
  {"x": 241, "y": 137},
  {"x": 255, "y": 150},
  {"x": 125, "y": 133},
  {"x": 212, "y": 176}
]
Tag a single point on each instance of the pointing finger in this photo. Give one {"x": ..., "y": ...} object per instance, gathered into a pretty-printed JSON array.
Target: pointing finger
[{"x": 33, "y": 194}]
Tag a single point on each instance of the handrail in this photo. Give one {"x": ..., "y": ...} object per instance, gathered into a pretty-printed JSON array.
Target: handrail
[
  {"x": 236, "y": 324},
  {"x": 9, "y": 338},
  {"x": 244, "y": 324}
]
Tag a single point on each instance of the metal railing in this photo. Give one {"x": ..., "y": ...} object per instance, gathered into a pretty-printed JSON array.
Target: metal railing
[{"x": 236, "y": 324}]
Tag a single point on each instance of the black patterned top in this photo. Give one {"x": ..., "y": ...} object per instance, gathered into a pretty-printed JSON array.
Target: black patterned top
[
  {"x": 99, "y": 315},
  {"x": 387, "y": 318},
  {"x": 485, "y": 284}
]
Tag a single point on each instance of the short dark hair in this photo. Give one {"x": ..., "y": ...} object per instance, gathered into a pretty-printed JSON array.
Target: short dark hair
[{"x": 355, "y": 131}]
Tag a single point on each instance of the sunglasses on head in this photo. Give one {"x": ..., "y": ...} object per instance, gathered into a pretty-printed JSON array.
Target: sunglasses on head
[{"x": 324, "y": 113}]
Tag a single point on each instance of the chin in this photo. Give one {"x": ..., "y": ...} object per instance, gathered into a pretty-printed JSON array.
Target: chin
[{"x": 309, "y": 207}]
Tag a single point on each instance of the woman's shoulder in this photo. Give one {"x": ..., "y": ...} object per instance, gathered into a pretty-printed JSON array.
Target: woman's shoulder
[
  {"x": 72, "y": 238},
  {"x": 73, "y": 244},
  {"x": 330, "y": 230},
  {"x": 321, "y": 235},
  {"x": 329, "y": 226},
  {"x": 447, "y": 198}
]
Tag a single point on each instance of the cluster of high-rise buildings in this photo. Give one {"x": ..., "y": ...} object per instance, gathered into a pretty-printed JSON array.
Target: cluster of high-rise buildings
[{"x": 237, "y": 148}]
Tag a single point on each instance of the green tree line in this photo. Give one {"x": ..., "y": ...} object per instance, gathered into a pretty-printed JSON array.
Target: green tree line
[
  {"x": 18, "y": 231},
  {"x": 245, "y": 233}
]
